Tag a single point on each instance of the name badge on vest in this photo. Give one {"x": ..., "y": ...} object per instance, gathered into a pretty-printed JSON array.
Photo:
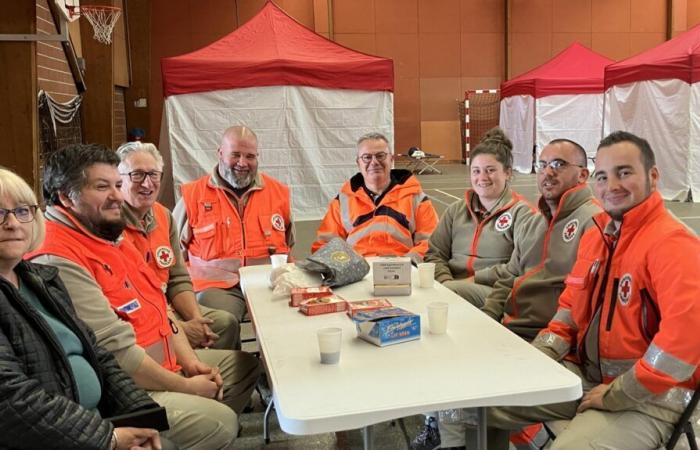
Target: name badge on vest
[
  {"x": 207, "y": 206},
  {"x": 130, "y": 306}
]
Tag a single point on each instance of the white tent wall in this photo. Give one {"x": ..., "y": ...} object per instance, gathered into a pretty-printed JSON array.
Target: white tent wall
[
  {"x": 306, "y": 135},
  {"x": 578, "y": 117},
  {"x": 660, "y": 112},
  {"x": 517, "y": 119},
  {"x": 694, "y": 142}
]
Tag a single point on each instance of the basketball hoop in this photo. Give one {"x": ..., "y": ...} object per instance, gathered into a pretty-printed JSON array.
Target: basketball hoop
[{"x": 102, "y": 19}]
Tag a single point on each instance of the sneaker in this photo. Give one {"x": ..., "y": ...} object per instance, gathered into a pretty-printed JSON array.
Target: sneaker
[
  {"x": 429, "y": 438},
  {"x": 264, "y": 390}
]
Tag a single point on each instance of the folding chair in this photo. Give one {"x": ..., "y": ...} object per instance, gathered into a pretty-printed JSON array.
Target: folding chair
[{"x": 684, "y": 425}]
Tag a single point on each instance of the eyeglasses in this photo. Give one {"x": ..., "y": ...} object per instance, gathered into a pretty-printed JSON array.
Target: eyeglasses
[
  {"x": 23, "y": 214},
  {"x": 555, "y": 164},
  {"x": 367, "y": 157},
  {"x": 137, "y": 176}
]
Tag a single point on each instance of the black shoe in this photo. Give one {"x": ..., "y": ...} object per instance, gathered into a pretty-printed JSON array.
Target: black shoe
[
  {"x": 264, "y": 390},
  {"x": 429, "y": 438}
]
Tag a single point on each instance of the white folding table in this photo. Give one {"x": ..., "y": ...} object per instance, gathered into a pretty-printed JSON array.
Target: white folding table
[{"x": 478, "y": 363}]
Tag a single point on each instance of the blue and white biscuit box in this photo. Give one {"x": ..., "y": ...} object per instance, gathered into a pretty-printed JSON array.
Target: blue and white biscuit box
[{"x": 386, "y": 326}]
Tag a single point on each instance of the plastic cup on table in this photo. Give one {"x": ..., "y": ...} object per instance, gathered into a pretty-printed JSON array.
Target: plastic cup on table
[
  {"x": 426, "y": 275},
  {"x": 329, "y": 344},
  {"x": 437, "y": 317},
  {"x": 278, "y": 260}
]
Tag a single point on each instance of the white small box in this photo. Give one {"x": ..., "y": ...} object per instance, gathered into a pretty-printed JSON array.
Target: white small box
[{"x": 392, "y": 276}]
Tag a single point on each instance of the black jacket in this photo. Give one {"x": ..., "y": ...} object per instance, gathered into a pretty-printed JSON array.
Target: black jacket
[{"x": 38, "y": 396}]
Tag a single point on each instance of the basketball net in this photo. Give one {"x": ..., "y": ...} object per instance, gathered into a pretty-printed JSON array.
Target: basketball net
[{"x": 102, "y": 19}]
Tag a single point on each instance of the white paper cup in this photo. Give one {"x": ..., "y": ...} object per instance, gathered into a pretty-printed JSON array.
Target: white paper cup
[
  {"x": 329, "y": 344},
  {"x": 426, "y": 275},
  {"x": 437, "y": 317},
  {"x": 278, "y": 260}
]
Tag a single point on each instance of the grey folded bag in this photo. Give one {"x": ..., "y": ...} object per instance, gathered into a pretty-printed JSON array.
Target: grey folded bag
[{"x": 337, "y": 263}]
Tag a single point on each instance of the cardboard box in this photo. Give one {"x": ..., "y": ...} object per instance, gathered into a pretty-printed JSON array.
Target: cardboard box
[
  {"x": 392, "y": 276},
  {"x": 322, "y": 305},
  {"x": 387, "y": 326},
  {"x": 367, "y": 305},
  {"x": 298, "y": 295}
]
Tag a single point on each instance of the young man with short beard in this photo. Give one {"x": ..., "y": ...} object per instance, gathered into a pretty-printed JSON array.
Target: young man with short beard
[{"x": 120, "y": 297}]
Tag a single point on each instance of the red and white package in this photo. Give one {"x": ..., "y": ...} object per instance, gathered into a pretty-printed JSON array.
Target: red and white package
[
  {"x": 322, "y": 305},
  {"x": 298, "y": 295},
  {"x": 367, "y": 305}
]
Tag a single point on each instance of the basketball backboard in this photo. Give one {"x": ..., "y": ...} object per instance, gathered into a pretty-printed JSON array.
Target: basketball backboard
[{"x": 70, "y": 9}]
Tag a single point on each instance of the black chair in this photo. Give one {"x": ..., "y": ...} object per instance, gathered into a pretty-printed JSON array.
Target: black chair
[{"x": 684, "y": 426}]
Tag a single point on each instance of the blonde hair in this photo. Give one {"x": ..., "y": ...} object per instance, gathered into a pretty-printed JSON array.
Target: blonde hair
[{"x": 15, "y": 189}]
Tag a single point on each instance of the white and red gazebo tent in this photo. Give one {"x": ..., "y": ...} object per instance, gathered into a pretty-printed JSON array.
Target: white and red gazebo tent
[
  {"x": 656, "y": 95},
  {"x": 562, "y": 98},
  {"x": 307, "y": 98}
]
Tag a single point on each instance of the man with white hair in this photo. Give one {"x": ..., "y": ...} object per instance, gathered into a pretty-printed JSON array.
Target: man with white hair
[
  {"x": 150, "y": 227},
  {"x": 230, "y": 218}
]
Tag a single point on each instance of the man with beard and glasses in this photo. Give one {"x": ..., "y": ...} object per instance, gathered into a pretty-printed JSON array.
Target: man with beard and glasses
[
  {"x": 379, "y": 211},
  {"x": 120, "y": 297},
  {"x": 233, "y": 217},
  {"x": 624, "y": 323},
  {"x": 524, "y": 298}
]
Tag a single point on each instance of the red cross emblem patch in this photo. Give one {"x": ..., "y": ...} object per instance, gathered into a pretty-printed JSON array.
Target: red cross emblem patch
[
  {"x": 504, "y": 221},
  {"x": 570, "y": 230},
  {"x": 624, "y": 289},
  {"x": 164, "y": 256},
  {"x": 277, "y": 222}
]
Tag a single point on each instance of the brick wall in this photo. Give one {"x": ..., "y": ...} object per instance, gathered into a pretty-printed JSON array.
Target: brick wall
[
  {"x": 53, "y": 74},
  {"x": 119, "y": 125}
]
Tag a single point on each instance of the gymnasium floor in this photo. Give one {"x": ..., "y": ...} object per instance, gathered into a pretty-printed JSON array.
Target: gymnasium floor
[{"x": 443, "y": 189}]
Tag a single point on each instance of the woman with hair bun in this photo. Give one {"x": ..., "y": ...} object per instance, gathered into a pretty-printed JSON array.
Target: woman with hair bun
[{"x": 479, "y": 231}]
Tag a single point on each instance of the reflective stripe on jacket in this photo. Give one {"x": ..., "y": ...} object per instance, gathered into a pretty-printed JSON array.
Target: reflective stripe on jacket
[
  {"x": 133, "y": 290},
  {"x": 631, "y": 309},
  {"x": 154, "y": 246},
  {"x": 399, "y": 224},
  {"x": 222, "y": 241}
]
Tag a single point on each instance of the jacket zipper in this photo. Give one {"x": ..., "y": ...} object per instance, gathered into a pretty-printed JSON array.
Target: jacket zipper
[{"x": 613, "y": 303}]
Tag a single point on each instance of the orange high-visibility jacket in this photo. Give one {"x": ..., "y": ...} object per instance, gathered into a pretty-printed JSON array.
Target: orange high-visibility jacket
[
  {"x": 631, "y": 310},
  {"x": 155, "y": 246},
  {"x": 222, "y": 241},
  {"x": 134, "y": 292},
  {"x": 399, "y": 224}
]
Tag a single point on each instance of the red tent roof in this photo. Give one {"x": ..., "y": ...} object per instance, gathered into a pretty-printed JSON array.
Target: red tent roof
[
  {"x": 273, "y": 49},
  {"x": 576, "y": 70},
  {"x": 678, "y": 58}
]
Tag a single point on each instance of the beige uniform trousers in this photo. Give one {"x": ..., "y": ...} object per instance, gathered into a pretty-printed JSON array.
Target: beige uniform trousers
[
  {"x": 230, "y": 300},
  {"x": 591, "y": 430},
  {"x": 206, "y": 424},
  {"x": 474, "y": 293}
]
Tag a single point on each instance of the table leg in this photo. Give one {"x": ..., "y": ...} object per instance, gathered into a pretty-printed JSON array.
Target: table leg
[
  {"x": 367, "y": 437},
  {"x": 481, "y": 429},
  {"x": 266, "y": 421}
]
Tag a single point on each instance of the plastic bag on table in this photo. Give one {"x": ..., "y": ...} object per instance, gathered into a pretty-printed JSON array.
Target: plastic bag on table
[{"x": 288, "y": 276}]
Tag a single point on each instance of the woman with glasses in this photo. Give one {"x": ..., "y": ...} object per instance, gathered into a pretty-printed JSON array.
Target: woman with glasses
[
  {"x": 478, "y": 232},
  {"x": 56, "y": 385}
]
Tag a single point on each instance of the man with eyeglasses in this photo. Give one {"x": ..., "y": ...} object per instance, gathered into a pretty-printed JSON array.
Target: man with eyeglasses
[
  {"x": 233, "y": 217},
  {"x": 379, "y": 211},
  {"x": 151, "y": 228},
  {"x": 627, "y": 319},
  {"x": 119, "y": 296},
  {"x": 524, "y": 297}
]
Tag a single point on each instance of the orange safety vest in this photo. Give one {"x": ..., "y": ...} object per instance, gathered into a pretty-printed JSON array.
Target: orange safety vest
[
  {"x": 126, "y": 280},
  {"x": 155, "y": 246},
  {"x": 222, "y": 241}
]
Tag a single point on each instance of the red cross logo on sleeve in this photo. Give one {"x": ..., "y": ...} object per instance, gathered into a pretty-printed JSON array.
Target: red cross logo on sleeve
[
  {"x": 504, "y": 221},
  {"x": 570, "y": 230},
  {"x": 624, "y": 289}
]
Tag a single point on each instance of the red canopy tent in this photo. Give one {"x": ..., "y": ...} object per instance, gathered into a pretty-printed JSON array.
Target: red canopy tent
[
  {"x": 307, "y": 98},
  {"x": 656, "y": 95},
  {"x": 561, "y": 98},
  {"x": 273, "y": 49}
]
